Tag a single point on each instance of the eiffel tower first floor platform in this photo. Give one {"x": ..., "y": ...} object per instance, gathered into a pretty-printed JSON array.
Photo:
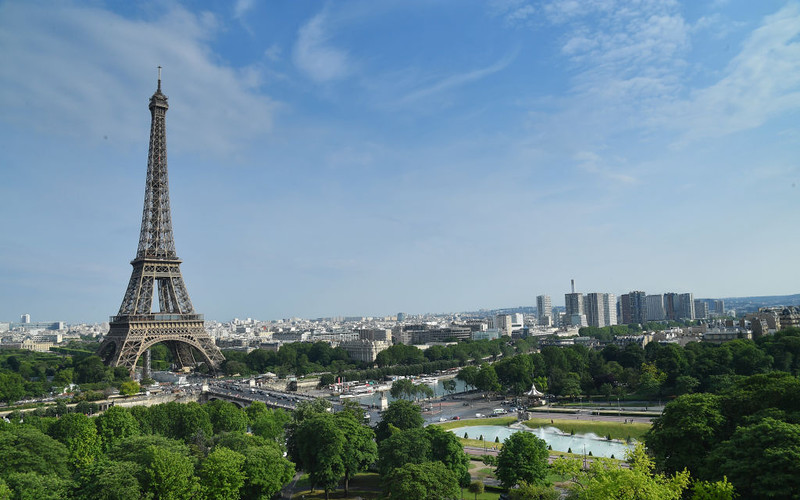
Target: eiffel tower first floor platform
[{"x": 130, "y": 336}]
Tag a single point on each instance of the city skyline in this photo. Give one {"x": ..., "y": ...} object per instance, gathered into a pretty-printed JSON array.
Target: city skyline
[{"x": 353, "y": 158}]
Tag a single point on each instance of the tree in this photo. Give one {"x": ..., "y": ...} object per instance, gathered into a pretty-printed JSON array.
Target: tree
[
  {"x": 402, "y": 388},
  {"x": 449, "y": 385},
  {"x": 129, "y": 388},
  {"x": 79, "y": 435},
  {"x": 401, "y": 415},
  {"x": 110, "y": 480},
  {"x": 719, "y": 490},
  {"x": 446, "y": 448},
  {"x": 606, "y": 480},
  {"x": 477, "y": 488},
  {"x": 114, "y": 424},
  {"x": 515, "y": 373},
  {"x": 468, "y": 375},
  {"x": 686, "y": 432},
  {"x": 222, "y": 474},
  {"x": 523, "y": 458},
  {"x": 225, "y": 417},
  {"x": 318, "y": 445},
  {"x": 425, "y": 481},
  {"x": 26, "y": 449},
  {"x": 12, "y": 387},
  {"x": 762, "y": 460},
  {"x": 90, "y": 369},
  {"x": 533, "y": 492},
  {"x": 137, "y": 448},
  {"x": 180, "y": 421},
  {"x": 266, "y": 471},
  {"x": 170, "y": 475},
  {"x": 487, "y": 379},
  {"x": 403, "y": 447},
  {"x": 270, "y": 424},
  {"x": 33, "y": 486},
  {"x": 359, "y": 450}
]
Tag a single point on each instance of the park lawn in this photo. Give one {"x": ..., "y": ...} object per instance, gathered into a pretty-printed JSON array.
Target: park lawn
[
  {"x": 481, "y": 471},
  {"x": 477, "y": 443},
  {"x": 452, "y": 424},
  {"x": 617, "y": 430}
]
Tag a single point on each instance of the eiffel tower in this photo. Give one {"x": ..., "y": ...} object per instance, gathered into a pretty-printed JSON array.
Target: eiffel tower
[{"x": 136, "y": 327}]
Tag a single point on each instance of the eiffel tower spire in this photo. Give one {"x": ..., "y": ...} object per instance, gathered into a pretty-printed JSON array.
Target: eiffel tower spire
[{"x": 136, "y": 327}]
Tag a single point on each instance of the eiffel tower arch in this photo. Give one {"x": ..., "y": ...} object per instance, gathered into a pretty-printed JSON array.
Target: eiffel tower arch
[{"x": 136, "y": 327}]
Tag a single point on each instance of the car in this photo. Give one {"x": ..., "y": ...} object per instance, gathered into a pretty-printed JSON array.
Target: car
[
  {"x": 478, "y": 415},
  {"x": 456, "y": 418},
  {"x": 442, "y": 419}
]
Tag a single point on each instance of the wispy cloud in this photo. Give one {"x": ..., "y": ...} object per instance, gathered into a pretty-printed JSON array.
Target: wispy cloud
[
  {"x": 316, "y": 56},
  {"x": 242, "y": 7},
  {"x": 593, "y": 163},
  {"x": 457, "y": 80},
  {"x": 761, "y": 82},
  {"x": 91, "y": 59}
]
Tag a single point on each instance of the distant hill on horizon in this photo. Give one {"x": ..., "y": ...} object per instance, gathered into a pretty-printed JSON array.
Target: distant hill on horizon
[{"x": 752, "y": 304}]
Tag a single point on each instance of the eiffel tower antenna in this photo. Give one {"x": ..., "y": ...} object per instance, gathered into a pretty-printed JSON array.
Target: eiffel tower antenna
[{"x": 136, "y": 327}]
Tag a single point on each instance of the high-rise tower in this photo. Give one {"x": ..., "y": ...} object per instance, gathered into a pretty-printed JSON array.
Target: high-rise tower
[{"x": 136, "y": 327}]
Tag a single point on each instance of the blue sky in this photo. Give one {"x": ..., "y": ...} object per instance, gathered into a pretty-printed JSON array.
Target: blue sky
[{"x": 365, "y": 158}]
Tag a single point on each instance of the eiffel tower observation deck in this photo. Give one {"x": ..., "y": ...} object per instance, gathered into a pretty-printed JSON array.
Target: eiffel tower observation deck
[{"x": 136, "y": 327}]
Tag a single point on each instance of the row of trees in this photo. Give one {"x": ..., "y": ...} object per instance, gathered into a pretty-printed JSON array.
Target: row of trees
[
  {"x": 657, "y": 370},
  {"x": 301, "y": 358},
  {"x": 27, "y": 374},
  {"x": 169, "y": 451}
]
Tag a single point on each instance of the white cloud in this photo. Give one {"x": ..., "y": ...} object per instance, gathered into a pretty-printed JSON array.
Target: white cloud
[
  {"x": 242, "y": 7},
  {"x": 761, "y": 82},
  {"x": 273, "y": 52},
  {"x": 314, "y": 55},
  {"x": 86, "y": 72}
]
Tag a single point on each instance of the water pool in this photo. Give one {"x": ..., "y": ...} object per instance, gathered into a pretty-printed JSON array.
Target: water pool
[{"x": 579, "y": 443}]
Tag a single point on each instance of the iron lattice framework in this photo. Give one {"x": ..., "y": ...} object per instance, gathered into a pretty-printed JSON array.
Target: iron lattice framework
[{"x": 136, "y": 327}]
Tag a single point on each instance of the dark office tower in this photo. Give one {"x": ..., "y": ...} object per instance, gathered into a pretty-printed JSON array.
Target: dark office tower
[
  {"x": 633, "y": 308},
  {"x": 594, "y": 304},
  {"x": 136, "y": 327},
  {"x": 671, "y": 306}
]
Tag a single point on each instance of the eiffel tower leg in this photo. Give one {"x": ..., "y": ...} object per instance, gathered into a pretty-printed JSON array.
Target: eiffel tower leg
[{"x": 183, "y": 354}]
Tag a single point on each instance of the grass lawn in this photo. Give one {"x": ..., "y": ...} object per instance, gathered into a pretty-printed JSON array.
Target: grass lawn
[
  {"x": 617, "y": 430},
  {"x": 452, "y": 424},
  {"x": 481, "y": 471},
  {"x": 477, "y": 443}
]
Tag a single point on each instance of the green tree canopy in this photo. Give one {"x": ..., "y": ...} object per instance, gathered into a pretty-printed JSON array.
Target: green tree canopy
[
  {"x": 400, "y": 414},
  {"x": 79, "y": 435},
  {"x": 110, "y": 480},
  {"x": 170, "y": 475},
  {"x": 222, "y": 474},
  {"x": 114, "y": 424},
  {"x": 26, "y": 449},
  {"x": 522, "y": 458},
  {"x": 423, "y": 481},
  {"x": 403, "y": 447},
  {"x": 359, "y": 450},
  {"x": 266, "y": 472},
  {"x": 686, "y": 431},
  {"x": 606, "y": 480},
  {"x": 225, "y": 416},
  {"x": 762, "y": 460},
  {"x": 317, "y": 448}
]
